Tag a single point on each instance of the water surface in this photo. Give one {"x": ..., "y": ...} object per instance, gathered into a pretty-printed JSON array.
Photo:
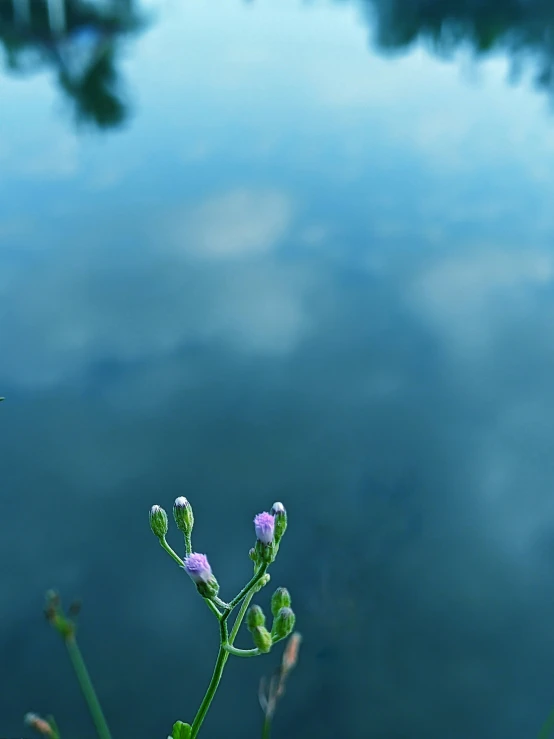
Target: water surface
[{"x": 283, "y": 251}]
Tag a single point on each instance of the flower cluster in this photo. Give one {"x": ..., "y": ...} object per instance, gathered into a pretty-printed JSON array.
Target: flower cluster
[{"x": 269, "y": 528}]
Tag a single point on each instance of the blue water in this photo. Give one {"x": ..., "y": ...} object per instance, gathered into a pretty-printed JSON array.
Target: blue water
[{"x": 282, "y": 251}]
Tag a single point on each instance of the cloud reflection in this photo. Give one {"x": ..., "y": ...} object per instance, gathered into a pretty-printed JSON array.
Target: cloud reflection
[
  {"x": 69, "y": 313},
  {"x": 235, "y": 224},
  {"x": 363, "y": 332}
]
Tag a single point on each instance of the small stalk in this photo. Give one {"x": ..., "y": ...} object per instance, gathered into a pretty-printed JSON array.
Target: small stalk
[
  {"x": 87, "y": 687},
  {"x": 266, "y": 729},
  {"x": 247, "y": 588},
  {"x": 170, "y": 551},
  {"x": 222, "y": 657}
]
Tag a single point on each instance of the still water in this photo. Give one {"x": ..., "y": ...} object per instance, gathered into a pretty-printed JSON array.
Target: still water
[{"x": 281, "y": 251}]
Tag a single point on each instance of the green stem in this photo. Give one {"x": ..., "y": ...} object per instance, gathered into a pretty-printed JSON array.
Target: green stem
[
  {"x": 54, "y": 726},
  {"x": 211, "y": 605},
  {"x": 242, "y": 611},
  {"x": 240, "y": 617},
  {"x": 266, "y": 731},
  {"x": 87, "y": 688},
  {"x": 222, "y": 657},
  {"x": 547, "y": 727},
  {"x": 221, "y": 603},
  {"x": 170, "y": 551},
  {"x": 225, "y": 646},
  {"x": 241, "y": 652},
  {"x": 188, "y": 544},
  {"x": 226, "y": 642},
  {"x": 257, "y": 576}
]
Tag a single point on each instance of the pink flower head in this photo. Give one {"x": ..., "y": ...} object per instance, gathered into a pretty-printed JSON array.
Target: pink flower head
[
  {"x": 264, "y": 525},
  {"x": 198, "y": 568}
]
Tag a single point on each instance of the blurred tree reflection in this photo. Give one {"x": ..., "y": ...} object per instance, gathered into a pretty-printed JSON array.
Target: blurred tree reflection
[
  {"x": 79, "y": 41},
  {"x": 94, "y": 92},
  {"x": 522, "y": 28}
]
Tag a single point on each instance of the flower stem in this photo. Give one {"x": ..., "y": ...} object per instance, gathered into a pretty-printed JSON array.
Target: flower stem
[
  {"x": 255, "y": 579},
  {"x": 170, "y": 551},
  {"x": 54, "y": 726},
  {"x": 242, "y": 652},
  {"x": 226, "y": 646},
  {"x": 547, "y": 727},
  {"x": 87, "y": 688},
  {"x": 266, "y": 730},
  {"x": 221, "y": 603},
  {"x": 213, "y": 608},
  {"x": 222, "y": 657},
  {"x": 240, "y": 617}
]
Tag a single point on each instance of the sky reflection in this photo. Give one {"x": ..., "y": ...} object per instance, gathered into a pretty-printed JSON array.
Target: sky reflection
[{"x": 303, "y": 272}]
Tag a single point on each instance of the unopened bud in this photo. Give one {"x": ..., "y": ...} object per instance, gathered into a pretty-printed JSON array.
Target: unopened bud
[
  {"x": 158, "y": 521},
  {"x": 180, "y": 731},
  {"x": 182, "y": 513},
  {"x": 280, "y": 599},
  {"x": 208, "y": 589},
  {"x": 280, "y": 517},
  {"x": 55, "y": 616},
  {"x": 262, "y": 582},
  {"x": 290, "y": 655},
  {"x": 265, "y": 552},
  {"x": 38, "y": 724},
  {"x": 283, "y": 623},
  {"x": 262, "y": 638},
  {"x": 254, "y": 618}
]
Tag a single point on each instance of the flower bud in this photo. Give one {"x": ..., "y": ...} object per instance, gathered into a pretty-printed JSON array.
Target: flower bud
[
  {"x": 54, "y": 614},
  {"x": 180, "y": 731},
  {"x": 198, "y": 569},
  {"x": 280, "y": 599},
  {"x": 182, "y": 513},
  {"x": 208, "y": 589},
  {"x": 264, "y": 525},
  {"x": 280, "y": 518},
  {"x": 254, "y": 618},
  {"x": 262, "y": 582},
  {"x": 262, "y": 638},
  {"x": 265, "y": 552},
  {"x": 158, "y": 521},
  {"x": 290, "y": 655},
  {"x": 283, "y": 624},
  {"x": 39, "y": 724}
]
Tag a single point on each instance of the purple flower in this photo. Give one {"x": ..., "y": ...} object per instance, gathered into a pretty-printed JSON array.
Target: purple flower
[
  {"x": 198, "y": 568},
  {"x": 264, "y": 524}
]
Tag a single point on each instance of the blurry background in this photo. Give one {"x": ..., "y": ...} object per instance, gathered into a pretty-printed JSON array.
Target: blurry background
[{"x": 280, "y": 251}]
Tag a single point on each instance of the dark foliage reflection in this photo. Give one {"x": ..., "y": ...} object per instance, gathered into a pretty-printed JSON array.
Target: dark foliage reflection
[
  {"x": 79, "y": 41},
  {"x": 524, "y": 29}
]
